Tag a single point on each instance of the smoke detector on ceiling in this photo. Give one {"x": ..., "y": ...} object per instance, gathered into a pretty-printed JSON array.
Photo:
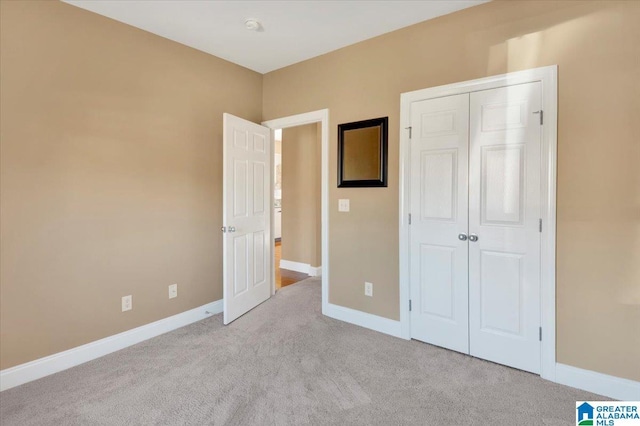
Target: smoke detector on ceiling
[{"x": 253, "y": 25}]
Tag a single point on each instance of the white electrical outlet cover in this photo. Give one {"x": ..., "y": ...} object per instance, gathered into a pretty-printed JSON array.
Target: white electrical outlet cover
[
  {"x": 343, "y": 205},
  {"x": 368, "y": 289},
  {"x": 127, "y": 303}
]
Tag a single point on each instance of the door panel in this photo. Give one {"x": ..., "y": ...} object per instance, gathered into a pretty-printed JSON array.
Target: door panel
[
  {"x": 439, "y": 298},
  {"x": 438, "y": 259},
  {"x": 259, "y": 259},
  {"x": 246, "y": 215},
  {"x": 501, "y": 285},
  {"x": 239, "y": 192},
  {"x": 439, "y": 185},
  {"x": 504, "y": 209},
  {"x": 502, "y": 184},
  {"x": 259, "y": 178},
  {"x": 239, "y": 261}
]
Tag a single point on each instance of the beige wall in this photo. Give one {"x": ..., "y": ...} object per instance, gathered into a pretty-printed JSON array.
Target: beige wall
[
  {"x": 597, "y": 48},
  {"x": 301, "y": 194},
  {"x": 110, "y": 175}
]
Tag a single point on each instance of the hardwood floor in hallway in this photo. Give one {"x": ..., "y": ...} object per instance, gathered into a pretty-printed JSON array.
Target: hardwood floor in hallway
[{"x": 285, "y": 277}]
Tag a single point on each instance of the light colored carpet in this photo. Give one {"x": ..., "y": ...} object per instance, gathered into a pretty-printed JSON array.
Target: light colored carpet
[{"x": 286, "y": 364}]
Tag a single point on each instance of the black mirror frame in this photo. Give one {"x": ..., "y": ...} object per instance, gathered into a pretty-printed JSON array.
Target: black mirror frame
[{"x": 383, "y": 123}]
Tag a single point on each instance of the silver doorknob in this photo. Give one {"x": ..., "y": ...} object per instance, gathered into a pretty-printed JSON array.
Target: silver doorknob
[
  {"x": 232, "y": 229},
  {"x": 462, "y": 237},
  {"x": 473, "y": 238}
]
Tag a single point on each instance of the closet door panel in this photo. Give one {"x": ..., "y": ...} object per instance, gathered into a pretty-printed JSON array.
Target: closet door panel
[
  {"x": 438, "y": 259},
  {"x": 504, "y": 210}
]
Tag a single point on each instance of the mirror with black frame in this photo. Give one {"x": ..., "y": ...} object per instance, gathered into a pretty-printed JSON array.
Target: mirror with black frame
[{"x": 362, "y": 153}]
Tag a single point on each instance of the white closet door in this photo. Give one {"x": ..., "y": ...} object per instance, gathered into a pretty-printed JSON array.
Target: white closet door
[
  {"x": 438, "y": 258},
  {"x": 504, "y": 210}
]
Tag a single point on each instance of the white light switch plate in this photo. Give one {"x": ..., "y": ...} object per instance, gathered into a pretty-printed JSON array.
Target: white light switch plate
[{"x": 343, "y": 205}]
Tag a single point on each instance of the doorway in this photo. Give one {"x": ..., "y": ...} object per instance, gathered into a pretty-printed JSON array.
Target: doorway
[
  {"x": 477, "y": 226},
  {"x": 297, "y": 203},
  {"x": 322, "y": 118}
]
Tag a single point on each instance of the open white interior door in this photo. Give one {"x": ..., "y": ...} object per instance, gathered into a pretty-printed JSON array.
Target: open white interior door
[{"x": 246, "y": 216}]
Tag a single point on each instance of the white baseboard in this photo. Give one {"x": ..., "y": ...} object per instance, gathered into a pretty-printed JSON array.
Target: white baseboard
[
  {"x": 315, "y": 271},
  {"x": 363, "y": 319},
  {"x": 51, "y": 364},
  {"x": 601, "y": 384},
  {"x": 305, "y": 268},
  {"x": 294, "y": 266}
]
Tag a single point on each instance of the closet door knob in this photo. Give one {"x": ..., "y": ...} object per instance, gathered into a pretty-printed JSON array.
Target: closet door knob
[
  {"x": 462, "y": 237},
  {"x": 473, "y": 238}
]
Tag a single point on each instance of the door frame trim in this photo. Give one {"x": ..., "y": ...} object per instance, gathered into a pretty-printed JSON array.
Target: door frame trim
[
  {"x": 320, "y": 116},
  {"x": 548, "y": 77}
]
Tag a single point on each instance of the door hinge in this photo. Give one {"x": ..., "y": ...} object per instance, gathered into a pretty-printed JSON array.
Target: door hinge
[
  {"x": 410, "y": 131},
  {"x": 409, "y": 218},
  {"x": 409, "y": 305},
  {"x": 540, "y": 334},
  {"x": 541, "y": 112},
  {"x": 540, "y": 225}
]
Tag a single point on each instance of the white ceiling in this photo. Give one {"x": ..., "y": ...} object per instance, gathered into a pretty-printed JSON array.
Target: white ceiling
[{"x": 292, "y": 30}]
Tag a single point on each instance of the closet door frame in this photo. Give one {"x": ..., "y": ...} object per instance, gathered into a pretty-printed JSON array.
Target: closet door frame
[{"x": 547, "y": 76}]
